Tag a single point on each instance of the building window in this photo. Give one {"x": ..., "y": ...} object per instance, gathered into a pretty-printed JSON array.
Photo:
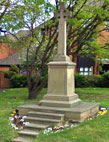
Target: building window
[
  {"x": 86, "y": 70},
  {"x": 107, "y": 26},
  {"x": 81, "y": 69}
]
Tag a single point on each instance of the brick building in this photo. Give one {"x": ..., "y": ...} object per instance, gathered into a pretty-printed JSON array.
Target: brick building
[{"x": 8, "y": 57}]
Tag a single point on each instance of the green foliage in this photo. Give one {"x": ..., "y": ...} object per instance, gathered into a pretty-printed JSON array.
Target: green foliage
[
  {"x": 3, "y": 71},
  {"x": 13, "y": 71},
  {"x": 92, "y": 81},
  {"x": 9, "y": 74},
  {"x": 14, "y": 68},
  {"x": 19, "y": 80},
  {"x": 105, "y": 80},
  {"x": 95, "y": 80},
  {"x": 45, "y": 72},
  {"x": 81, "y": 81}
]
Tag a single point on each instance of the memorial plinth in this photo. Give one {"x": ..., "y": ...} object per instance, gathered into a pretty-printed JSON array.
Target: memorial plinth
[{"x": 61, "y": 88}]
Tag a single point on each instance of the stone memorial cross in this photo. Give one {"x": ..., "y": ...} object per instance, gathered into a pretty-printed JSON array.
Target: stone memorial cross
[{"x": 62, "y": 14}]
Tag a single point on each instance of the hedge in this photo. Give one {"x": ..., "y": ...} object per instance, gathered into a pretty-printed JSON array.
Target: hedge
[
  {"x": 19, "y": 81},
  {"x": 105, "y": 80},
  {"x": 81, "y": 81},
  {"x": 92, "y": 81}
]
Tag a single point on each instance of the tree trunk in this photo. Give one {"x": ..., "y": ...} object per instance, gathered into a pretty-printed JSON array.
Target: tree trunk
[{"x": 34, "y": 92}]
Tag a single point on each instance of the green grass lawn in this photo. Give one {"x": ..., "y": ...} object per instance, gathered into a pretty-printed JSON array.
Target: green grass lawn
[{"x": 89, "y": 131}]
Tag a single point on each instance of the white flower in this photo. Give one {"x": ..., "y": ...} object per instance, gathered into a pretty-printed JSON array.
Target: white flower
[
  {"x": 21, "y": 128},
  {"x": 103, "y": 108},
  {"x": 49, "y": 129},
  {"x": 16, "y": 128},
  {"x": 11, "y": 118},
  {"x": 57, "y": 131},
  {"x": 22, "y": 120},
  {"x": 61, "y": 127},
  {"x": 72, "y": 125},
  {"x": 45, "y": 131},
  {"x": 26, "y": 123},
  {"x": 66, "y": 125},
  {"x": 16, "y": 116},
  {"x": 24, "y": 117}
]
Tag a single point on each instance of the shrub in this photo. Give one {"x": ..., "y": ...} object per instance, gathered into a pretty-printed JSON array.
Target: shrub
[
  {"x": 14, "y": 68},
  {"x": 9, "y": 74},
  {"x": 95, "y": 80},
  {"x": 105, "y": 80},
  {"x": 81, "y": 80},
  {"x": 92, "y": 81},
  {"x": 19, "y": 81},
  {"x": 5, "y": 72},
  {"x": 13, "y": 71}
]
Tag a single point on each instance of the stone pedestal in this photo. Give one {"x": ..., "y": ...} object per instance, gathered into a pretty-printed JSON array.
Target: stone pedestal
[
  {"x": 61, "y": 86},
  {"x": 61, "y": 78}
]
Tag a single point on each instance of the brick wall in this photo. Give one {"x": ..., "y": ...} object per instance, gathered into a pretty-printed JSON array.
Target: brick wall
[
  {"x": 4, "y": 68},
  {"x": 5, "y": 51},
  {"x": 104, "y": 36},
  {"x": 4, "y": 82}
]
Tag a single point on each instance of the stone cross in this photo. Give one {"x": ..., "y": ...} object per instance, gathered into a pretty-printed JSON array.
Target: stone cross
[{"x": 62, "y": 14}]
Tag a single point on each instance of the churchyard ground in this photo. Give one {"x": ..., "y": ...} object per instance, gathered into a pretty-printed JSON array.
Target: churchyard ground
[{"x": 89, "y": 131}]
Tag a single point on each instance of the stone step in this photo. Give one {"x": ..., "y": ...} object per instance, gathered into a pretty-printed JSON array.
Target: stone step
[
  {"x": 22, "y": 139},
  {"x": 36, "y": 127},
  {"x": 29, "y": 133},
  {"x": 42, "y": 120},
  {"x": 64, "y": 104},
  {"x": 23, "y": 110},
  {"x": 60, "y": 97},
  {"x": 77, "y": 113},
  {"x": 49, "y": 109},
  {"x": 46, "y": 115}
]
